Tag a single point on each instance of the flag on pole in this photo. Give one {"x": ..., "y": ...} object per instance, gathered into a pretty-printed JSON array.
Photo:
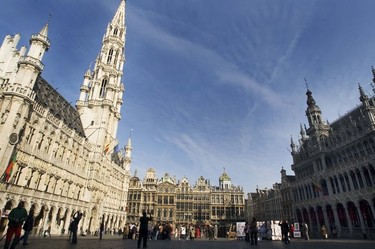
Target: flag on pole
[
  {"x": 8, "y": 171},
  {"x": 106, "y": 148}
]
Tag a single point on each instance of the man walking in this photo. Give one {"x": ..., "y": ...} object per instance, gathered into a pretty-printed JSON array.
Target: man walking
[
  {"x": 143, "y": 229},
  {"x": 74, "y": 226},
  {"x": 253, "y": 232},
  {"x": 16, "y": 218},
  {"x": 28, "y": 227}
]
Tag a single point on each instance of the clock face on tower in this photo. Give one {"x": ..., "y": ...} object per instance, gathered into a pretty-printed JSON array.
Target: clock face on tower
[{"x": 13, "y": 138}]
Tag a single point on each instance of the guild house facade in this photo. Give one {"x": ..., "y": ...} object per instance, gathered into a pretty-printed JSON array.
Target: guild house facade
[
  {"x": 180, "y": 203},
  {"x": 57, "y": 158}
]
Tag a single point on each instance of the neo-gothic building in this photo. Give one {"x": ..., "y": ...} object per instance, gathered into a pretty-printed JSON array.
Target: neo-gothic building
[
  {"x": 180, "y": 203},
  {"x": 334, "y": 170},
  {"x": 57, "y": 158}
]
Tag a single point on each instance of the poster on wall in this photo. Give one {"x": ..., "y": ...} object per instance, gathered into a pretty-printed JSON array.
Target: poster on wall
[{"x": 240, "y": 228}]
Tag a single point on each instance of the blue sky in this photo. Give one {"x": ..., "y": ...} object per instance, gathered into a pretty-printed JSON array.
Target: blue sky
[{"x": 212, "y": 84}]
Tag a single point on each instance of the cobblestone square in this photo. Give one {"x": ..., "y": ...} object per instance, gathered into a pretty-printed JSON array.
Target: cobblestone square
[{"x": 113, "y": 242}]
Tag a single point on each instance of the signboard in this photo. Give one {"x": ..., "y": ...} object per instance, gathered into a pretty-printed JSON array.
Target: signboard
[
  {"x": 297, "y": 234},
  {"x": 240, "y": 228}
]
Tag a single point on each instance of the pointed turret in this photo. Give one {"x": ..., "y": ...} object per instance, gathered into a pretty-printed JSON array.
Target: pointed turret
[
  {"x": 302, "y": 132},
  {"x": 362, "y": 96},
  {"x": 128, "y": 152},
  {"x": 39, "y": 43},
  {"x": 101, "y": 94},
  {"x": 317, "y": 126},
  {"x": 292, "y": 145}
]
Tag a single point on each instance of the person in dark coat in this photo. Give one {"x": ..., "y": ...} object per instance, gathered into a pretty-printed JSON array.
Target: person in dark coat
[
  {"x": 143, "y": 229},
  {"x": 16, "y": 218},
  {"x": 285, "y": 231},
  {"x": 28, "y": 227},
  {"x": 101, "y": 230},
  {"x": 253, "y": 232},
  {"x": 74, "y": 226}
]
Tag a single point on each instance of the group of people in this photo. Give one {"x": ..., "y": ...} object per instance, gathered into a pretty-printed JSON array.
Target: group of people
[
  {"x": 19, "y": 219},
  {"x": 251, "y": 232}
]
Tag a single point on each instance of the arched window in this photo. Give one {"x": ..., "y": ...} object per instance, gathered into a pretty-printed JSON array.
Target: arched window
[
  {"x": 320, "y": 214},
  {"x": 366, "y": 212},
  {"x": 342, "y": 216},
  {"x": 299, "y": 216},
  {"x": 353, "y": 214},
  {"x": 324, "y": 187},
  {"x": 354, "y": 179},
  {"x": 347, "y": 181},
  {"x": 306, "y": 216},
  {"x": 336, "y": 184},
  {"x": 330, "y": 215},
  {"x": 110, "y": 54},
  {"x": 332, "y": 185},
  {"x": 367, "y": 177},
  {"x": 314, "y": 221},
  {"x": 115, "y": 31},
  {"x": 360, "y": 180},
  {"x": 342, "y": 181},
  {"x": 103, "y": 88}
]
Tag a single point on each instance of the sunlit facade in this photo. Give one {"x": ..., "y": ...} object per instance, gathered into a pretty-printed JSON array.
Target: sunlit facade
[
  {"x": 57, "y": 158},
  {"x": 181, "y": 203}
]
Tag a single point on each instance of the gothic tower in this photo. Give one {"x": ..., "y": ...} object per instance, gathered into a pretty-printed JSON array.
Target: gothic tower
[{"x": 101, "y": 94}]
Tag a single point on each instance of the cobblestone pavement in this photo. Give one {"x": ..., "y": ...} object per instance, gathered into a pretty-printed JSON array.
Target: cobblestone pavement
[{"x": 113, "y": 242}]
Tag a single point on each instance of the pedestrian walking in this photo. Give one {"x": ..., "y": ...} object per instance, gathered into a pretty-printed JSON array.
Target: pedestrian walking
[
  {"x": 101, "y": 230},
  {"x": 74, "y": 226},
  {"x": 143, "y": 229},
  {"x": 126, "y": 232},
  {"x": 48, "y": 230},
  {"x": 285, "y": 231},
  {"x": 305, "y": 231},
  {"x": 28, "y": 227},
  {"x": 16, "y": 218},
  {"x": 253, "y": 232},
  {"x": 247, "y": 232},
  {"x": 323, "y": 231},
  {"x": 192, "y": 233}
]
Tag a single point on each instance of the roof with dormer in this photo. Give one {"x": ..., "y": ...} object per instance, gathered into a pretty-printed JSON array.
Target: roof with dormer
[{"x": 57, "y": 105}]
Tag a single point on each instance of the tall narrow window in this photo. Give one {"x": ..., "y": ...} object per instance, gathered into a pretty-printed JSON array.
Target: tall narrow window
[
  {"x": 103, "y": 88},
  {"x": 110, "y": 54}
]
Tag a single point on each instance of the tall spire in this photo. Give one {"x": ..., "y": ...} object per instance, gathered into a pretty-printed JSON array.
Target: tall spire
[{"x": 101, "y": 94}]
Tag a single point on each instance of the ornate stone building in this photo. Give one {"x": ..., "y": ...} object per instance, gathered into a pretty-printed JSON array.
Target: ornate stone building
[
  {"x": 181, "y": 203},
  {"x": 265, "y": 204},
  {"x": 334, "y": 170},
  {"x": 56, "y": 158}
]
